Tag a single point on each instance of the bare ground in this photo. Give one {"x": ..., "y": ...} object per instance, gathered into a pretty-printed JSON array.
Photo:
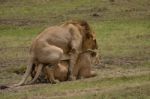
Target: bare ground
[{"x": 108, "y": 73}]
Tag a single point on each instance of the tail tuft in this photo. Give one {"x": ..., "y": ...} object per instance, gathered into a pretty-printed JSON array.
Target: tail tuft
[{"x": 3, "y": 87}]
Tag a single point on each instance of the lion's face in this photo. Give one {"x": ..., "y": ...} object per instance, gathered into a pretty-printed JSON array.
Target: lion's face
[
  {"x": 94, "y": 41},
  {"x": 90, "y": 42},
  {"x": 89, "y": 38}
]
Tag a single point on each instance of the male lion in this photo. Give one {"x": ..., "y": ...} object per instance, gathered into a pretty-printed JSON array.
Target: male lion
[
  {"x": 50, "y": 46},
  {"x": 82, "y": 68}
]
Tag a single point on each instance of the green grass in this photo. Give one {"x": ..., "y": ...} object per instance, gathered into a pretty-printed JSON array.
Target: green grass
[
  {"x": 81, "y": 86},
  {"x": 123, "y": 35},
  {"x": 120, "y": 38},
  {"x": 136, "y": 92}
]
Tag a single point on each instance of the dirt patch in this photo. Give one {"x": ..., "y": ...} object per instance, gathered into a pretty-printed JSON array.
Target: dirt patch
[
  {"x": 91, "y": 11},
  {"x": 123, "y": 61},
  {"x": 3, "y": 1},
  {"x": 14, "y": 48},
  {"x": 20, "y": 22},
  {"x": 16, "y": 58},
  {"x": 12, "y": 62},
  {"x": 143, "y": 36}
]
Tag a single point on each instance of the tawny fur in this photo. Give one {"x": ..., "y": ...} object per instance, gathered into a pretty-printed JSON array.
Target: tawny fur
[
  {"x": 82, "y": 68},
  {"x": 51, "y": 45}
]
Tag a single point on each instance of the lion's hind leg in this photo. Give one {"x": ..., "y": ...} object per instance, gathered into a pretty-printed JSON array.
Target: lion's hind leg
[
  {"x": 49, "y": 71},
  {"x": 37, "y": 74}
]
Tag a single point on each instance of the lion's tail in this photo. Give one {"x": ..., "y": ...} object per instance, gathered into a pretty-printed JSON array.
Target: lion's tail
[
  {"x": 26, "y": 75},
  {"x": 38, "y": 72}
]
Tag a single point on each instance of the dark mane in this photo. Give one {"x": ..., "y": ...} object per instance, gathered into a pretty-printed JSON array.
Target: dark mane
[{"x": 82, "y": 23}]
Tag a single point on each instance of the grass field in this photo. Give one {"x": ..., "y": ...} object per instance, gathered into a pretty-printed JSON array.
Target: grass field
[{"x": 123, "y": 35}]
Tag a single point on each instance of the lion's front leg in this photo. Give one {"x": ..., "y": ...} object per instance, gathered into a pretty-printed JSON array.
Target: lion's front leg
[
  {"x": 72, "y": 62},
  {"x": 76, "y": 47}
]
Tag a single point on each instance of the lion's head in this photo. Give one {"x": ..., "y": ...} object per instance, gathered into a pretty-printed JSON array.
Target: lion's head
[
  {"x": 89, "y": 40},
  {"x": 89, "y": 37}
]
